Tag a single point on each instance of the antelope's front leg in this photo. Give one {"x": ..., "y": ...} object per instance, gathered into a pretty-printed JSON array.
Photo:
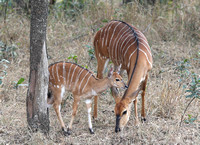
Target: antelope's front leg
[
  {"x": 136, "y": 114},
  {"x": 89, "y": 108},
  {"x": 100, "y": 69},
  {"x": 75, "y": 106}
]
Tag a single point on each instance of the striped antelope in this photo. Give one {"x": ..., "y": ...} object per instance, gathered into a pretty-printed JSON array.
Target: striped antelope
[
  {"x": 83, "y": 85},
  {"x": 128, "y": 49}
]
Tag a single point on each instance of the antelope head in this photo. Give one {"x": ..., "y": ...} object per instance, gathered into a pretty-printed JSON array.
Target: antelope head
[
  {"x": 123, "y": 110},
  {"x": 116, "y": 79}
]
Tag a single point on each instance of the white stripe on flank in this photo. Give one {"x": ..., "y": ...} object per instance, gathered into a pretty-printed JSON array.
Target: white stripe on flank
[
  {"x": 72, "y": 76},
  {"x": 108, "y": 32},
  {"x": 64, "y": 73},
  {"x": 81, "y": 83},
  {"x": 128, "y": 35},
  {"x": 146, "y": 57},
  {"x": 131, "y": 37},
  {"x": 115, "y": 48},
  {"x": 147, "y": 47},
  {"x": 104, "y": 36},
  {"x": 114, "y": 40},
  {"x": 113, "y": 35},
  {"x": 100, "y": 33},
  {"x": 77, "y": 78},
  {"x": 121, "y": 49},
  {"x": 57, "y": 72},
  {"x": 130, "y": 57},
  {"x": 52, "y": 70},
  {"x": 141, "y": 36},
  {"x": 86, "y": 83},
  {"x": 129, "y": 47},
  {"x": 68, "y": 75},
  {"x": 142, "y": 52},
  {"x": 50, "y": 77},
  {"x": 102, "y": 42}
]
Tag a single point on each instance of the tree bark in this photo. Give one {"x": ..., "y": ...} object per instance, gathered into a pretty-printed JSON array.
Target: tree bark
[{"x": 36, "y": 101}]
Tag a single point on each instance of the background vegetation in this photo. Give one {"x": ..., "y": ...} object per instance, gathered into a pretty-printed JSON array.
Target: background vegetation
[{"x": 173, "y": 31}]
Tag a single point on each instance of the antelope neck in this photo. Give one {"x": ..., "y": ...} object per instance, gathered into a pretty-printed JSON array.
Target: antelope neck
[{"x": 101, "y": 85}]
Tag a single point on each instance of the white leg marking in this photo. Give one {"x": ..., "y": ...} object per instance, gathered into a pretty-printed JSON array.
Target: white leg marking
[
  {"x": 88, "y": 101},
  {"x": 59, "y": 107},
  {"x": 62, "y": 91},
  {"x": 89, "y": 118}
]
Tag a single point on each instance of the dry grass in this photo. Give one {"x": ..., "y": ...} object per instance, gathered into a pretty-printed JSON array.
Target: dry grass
[{"x": 172, "y": 40}]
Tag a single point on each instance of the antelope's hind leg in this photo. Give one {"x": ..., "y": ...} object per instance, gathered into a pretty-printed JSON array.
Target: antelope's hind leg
[
  {"x": 57, "y": 107},
  {"x": 143, "y": 115},
  {"x": 89, "y": 108},
  {"x": 75, "y": 106}
]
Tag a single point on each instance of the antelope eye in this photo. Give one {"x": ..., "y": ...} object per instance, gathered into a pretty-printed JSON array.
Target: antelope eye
[
  {"x": 117, "y": 80},
  {"x": 124, "y": 112}
]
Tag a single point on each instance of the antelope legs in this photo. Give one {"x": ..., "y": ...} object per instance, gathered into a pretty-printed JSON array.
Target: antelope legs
[
  {"x": 100, "y": 70},
  {"x": 89, "y": 108},
  {"x": 143, "y": 99},
  {"x": 57, "y": 107},
  {"x": 75, "y": 106}
]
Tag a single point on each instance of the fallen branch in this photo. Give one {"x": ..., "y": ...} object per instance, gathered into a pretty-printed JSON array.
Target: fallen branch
[{"x": 186, "y": 109}]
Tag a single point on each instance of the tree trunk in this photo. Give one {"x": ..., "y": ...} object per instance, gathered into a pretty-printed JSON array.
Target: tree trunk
[{"x": 36, "y": 102}]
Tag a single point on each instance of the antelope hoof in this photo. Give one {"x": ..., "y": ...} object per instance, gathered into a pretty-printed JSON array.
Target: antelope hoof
[
  {"x": 94, "y": 117},
  {"x": 69, "y": 131},
  {"x": 65, "y": 133},
  {"x": 137, "y": 123},
  {"x": 143, "y": 119},
  {"x": 91, "y": 131}
]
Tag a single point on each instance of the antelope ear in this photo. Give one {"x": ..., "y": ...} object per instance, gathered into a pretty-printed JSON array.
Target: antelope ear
[
  {"x": 110, "y": 73},
  {"x": 119, "y": 68}
]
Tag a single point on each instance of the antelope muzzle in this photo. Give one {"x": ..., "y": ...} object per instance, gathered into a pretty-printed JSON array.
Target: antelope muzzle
[{"x": 117, "y": 128}]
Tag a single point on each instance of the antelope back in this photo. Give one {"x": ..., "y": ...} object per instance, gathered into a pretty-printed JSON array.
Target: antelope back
[
  {"x": 69, "y": 75},
  {"x": 118, "y": 41}
]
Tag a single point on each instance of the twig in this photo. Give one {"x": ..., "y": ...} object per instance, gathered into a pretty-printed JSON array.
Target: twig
[
  {"x": 186, "y": 109},
  {"x": 6, "y": 6},
  {"x": 147, "y": 28}
]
